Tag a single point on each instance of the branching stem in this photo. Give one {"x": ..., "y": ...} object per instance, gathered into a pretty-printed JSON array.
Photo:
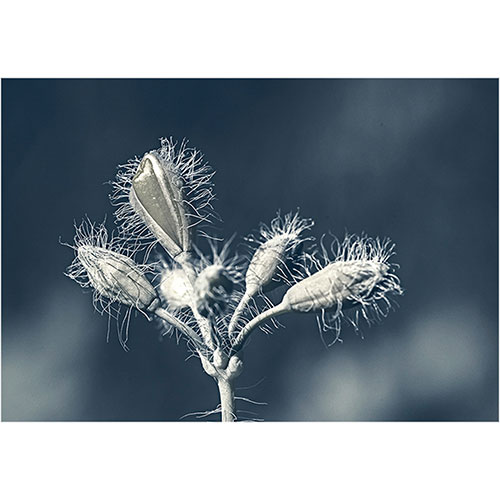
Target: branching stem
[
  {"x": 237, "y": 313},
  {"x": 281, "y": 308}
]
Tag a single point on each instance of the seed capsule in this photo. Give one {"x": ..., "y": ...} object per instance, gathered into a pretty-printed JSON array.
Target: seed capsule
[
  {"x": 155, "y": 195},
  {"x": 335, "y": 284},
  {"x": 117, "y": 277},
  {"x": 163, "y": 197},
  {"x": 278, "y": 245},
  {"x": 265, "y": 262},
  {"x": 278, "y": 251}
]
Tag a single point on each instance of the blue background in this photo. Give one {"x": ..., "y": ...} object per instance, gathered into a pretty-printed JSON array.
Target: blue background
[{"x": 415, "y": 160}]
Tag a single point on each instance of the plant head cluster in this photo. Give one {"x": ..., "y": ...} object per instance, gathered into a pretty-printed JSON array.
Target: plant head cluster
[{"x": 215, "y": 299}]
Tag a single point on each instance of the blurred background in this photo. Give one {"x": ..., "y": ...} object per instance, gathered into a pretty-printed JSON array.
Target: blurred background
[{"x": 415, "y": 160}]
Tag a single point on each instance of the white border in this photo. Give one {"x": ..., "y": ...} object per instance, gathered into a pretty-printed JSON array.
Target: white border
[
  {"x": 262, "y": 38},
  {"x": 337, "y": 460},
  {"x": 249, "y": 39}
]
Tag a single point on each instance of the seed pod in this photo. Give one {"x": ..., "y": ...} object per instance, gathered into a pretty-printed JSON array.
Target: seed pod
[
  {"x": 274, "y": 260},
  {"x": 176, "y": 288},
  {"x": 155, "y": 195},
  {"x": 337, "y": 283},
  {"x": 117, "y": 277},
  {"x": 277, "y": 244},
  {"x": 360, "y": 278},
  {"x": 113, "y": 275},
  {"x": 265, "y": 262},
  {"x": 163, "y": 196},
  {"x": 212, "y": 289}
]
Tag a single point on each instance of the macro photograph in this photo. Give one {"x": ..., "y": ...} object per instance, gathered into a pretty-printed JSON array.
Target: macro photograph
[{"x": 249, "y": 250}]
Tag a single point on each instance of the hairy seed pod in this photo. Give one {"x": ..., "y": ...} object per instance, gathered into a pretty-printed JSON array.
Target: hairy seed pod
[
  {"x": 163, "y": 197},
  {"x": 176, "y": 288},
  {"x": 117, "y": 277},
  {"x": 212, "y": 289},
  {"x": 337, "y": 283},
  {"x": 156, "y": 196},
  {"x": 276, "y": 244},
  {"x": 265, "y": 262},
  {"x": 278, "y": 251}
]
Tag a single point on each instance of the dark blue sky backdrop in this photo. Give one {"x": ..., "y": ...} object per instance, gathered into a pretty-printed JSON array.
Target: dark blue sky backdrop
[{"x": 415, "y": 160}]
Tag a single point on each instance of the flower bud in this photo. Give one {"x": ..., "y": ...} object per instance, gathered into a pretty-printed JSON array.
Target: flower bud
[
  {"x": 155, "y": 195},
  {"x": 117, "y": 277}
]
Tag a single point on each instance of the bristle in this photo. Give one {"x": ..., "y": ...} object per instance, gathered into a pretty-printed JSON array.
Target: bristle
[
  {"x": 357, "y": 281},
  {"x": 189, "y": 176}
]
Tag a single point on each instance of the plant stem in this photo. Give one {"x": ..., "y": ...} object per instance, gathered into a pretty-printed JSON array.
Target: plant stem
[
  {"x": 226, "y": 391},
  {"x": 169, "y": 318},
  {"x": 237, "y": 313},
  {"x": 281, "y": 308},
  {"x": 204, "y": 323}
]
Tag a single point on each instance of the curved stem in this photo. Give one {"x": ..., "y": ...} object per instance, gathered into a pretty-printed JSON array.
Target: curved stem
[
  {"x": 182, "y": 327},
  {"x": 281, "y": 308},
  {"x": 237, "y": 313}
]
